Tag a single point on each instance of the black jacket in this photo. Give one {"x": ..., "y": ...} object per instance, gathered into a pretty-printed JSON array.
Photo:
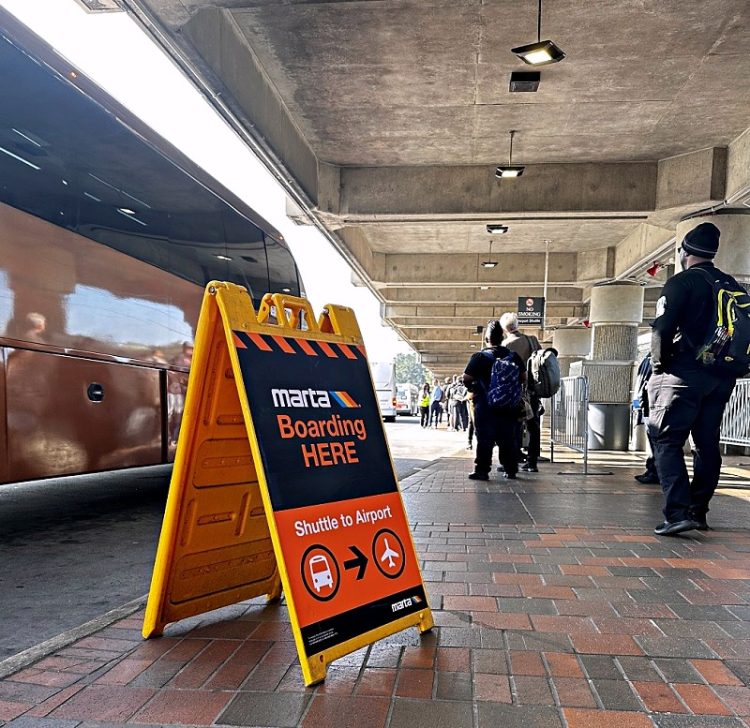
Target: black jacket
[{"x": 684, "y": 318}]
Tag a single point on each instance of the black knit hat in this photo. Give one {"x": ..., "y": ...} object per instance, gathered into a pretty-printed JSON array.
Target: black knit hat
[{"x": 702, "y": 241}]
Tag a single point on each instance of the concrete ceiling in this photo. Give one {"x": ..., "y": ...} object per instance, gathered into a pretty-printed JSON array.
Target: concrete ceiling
[{"x": 388, "y": 118}]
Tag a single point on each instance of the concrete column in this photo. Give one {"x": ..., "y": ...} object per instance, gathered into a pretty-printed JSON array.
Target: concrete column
[
  {"x": 572, "y": 345},
  {"x": 615, "y": 314},
  {"x": 734, "y": 244}
]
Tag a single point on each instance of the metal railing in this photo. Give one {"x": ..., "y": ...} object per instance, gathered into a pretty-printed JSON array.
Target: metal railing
[
  {"x": 569, "y": 418},
  {"x": 735, "y": 427}
]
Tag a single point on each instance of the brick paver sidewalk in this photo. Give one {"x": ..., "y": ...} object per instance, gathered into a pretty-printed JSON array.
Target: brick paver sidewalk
[{"x": 554, "y": 604}]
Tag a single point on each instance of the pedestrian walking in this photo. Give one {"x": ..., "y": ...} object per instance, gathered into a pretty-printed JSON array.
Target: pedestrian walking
[{"x": 693, "y": 376}]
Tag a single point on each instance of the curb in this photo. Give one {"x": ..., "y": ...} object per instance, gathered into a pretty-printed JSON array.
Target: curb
[{"x": 33, "y": 654}]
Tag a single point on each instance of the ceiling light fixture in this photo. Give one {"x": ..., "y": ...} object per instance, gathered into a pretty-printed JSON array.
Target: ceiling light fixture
[
  {"x": 222, "y": 257},
  {"x": 484, "y": 288},
  {"x": 509, "y": 170},
  {"x": 126, "y": 211},
  {"x": 497, "y": 228},
  {"x": 541, "y": 53},
  {"x": 489, "y": 263}
]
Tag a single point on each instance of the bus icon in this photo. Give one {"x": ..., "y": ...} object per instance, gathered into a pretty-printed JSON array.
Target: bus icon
[{"x": 320, "y": 571}]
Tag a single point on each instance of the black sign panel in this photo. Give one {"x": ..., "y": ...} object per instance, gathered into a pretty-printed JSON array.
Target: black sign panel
[
  {"x": 531, "y": 310},
  {"x": 323, "y": 437}
]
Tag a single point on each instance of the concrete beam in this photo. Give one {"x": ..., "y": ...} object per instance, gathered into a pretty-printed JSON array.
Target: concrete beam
[
  {"x": 554, "y": 315},
  {"x": 467, "y": 270},
  {"x": 494, "y": 295},
  {"x": 400, "y": 191},
  {"x": 595, "y": 265},
  {"x": 646, "y": 241},
  {"x": 696, "y": 178},
  {"x": 234, "y": 66},
  {"x": 738, "y": 166}
]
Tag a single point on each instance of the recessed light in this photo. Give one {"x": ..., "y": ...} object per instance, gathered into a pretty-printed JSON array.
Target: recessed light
[
  {"x": 222, "y": 257},
  {"x": 126, "y": 211},
  {"x": 489, "y": 263},
  {"x": 524, "y": 81},
  {"x": 484, "y": 288},
  {"x": 497, "y": 228},
  {"x": 286, "y": 290}
]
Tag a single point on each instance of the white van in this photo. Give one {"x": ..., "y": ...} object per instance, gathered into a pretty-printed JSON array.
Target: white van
[
  {"x": 407, "y": 399},
  {"x": 384, "y": 377}
]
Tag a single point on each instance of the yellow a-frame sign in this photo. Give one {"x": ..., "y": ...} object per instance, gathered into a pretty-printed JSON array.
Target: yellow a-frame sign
[{"x": 283, "y": 478}]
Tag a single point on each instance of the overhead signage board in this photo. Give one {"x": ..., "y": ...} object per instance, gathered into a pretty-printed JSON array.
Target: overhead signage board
[
  {"x": 531, "y": 310},
  {"x": 330, "y": 495}
]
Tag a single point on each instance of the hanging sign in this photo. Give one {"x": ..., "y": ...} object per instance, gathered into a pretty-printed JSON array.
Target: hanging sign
[
  {"x": 306, "y": 497},
  {"x": 531, "y": 310}
]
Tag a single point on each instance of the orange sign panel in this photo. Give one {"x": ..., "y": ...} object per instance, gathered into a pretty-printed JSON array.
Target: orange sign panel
[{"x": 330, "y": 497}]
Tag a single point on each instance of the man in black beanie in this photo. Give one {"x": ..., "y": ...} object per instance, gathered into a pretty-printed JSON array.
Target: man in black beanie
[{"x": 685, "y": 397}]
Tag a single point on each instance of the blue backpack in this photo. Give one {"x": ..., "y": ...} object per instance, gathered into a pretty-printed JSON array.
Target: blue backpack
[{"x": 505, "y": 384}]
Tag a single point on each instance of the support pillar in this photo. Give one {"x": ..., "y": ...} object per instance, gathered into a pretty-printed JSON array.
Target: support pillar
[
  {"x": 572, "y": 345},
  {"x": 616, "y": 312}
]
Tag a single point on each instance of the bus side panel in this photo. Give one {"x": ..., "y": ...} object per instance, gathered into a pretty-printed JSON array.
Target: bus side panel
[
  {"x": 112, "y": 415},
  {"x": 3, "y": 420},
  {"x": 62, "y": 290}
]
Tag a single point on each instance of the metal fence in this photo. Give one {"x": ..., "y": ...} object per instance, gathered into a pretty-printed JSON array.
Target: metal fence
[
  {"x": 569, "y": 418},
  {"x": 735, "y": 427}
]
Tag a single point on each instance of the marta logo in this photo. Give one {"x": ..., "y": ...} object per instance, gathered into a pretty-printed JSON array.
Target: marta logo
[{"x": 305, "y": 398}]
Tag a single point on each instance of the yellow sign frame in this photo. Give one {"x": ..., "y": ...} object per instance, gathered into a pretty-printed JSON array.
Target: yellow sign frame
[{"x": 208, "y": 474}]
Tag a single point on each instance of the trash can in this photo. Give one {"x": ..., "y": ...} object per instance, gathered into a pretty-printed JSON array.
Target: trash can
[{"x": 609, "y": 426}]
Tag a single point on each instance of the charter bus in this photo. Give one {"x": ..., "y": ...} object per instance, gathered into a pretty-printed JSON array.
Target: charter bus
[
  {"x": 384, "y": 377},
  {"x": 108, "y": 235}
]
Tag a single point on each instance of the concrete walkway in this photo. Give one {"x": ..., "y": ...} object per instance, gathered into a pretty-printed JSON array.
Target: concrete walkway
[{"x": 555, "y": 606}]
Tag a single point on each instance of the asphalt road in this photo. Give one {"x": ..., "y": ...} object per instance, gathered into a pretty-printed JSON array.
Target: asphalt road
[{"x": 72, "y": 549}]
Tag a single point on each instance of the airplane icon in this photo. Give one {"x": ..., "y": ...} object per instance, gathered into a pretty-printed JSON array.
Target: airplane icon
[{"x": 389, "y": 554}]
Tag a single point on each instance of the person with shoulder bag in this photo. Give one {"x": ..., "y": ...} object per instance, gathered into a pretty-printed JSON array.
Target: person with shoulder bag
[{"x": 530, "y": 416}]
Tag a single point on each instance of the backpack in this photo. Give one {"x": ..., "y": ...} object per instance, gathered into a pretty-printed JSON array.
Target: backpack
[
  {"x": 505, "y": 384},
  {"x": 544, "y": 372},
  {"x": 726, "y": 349}
]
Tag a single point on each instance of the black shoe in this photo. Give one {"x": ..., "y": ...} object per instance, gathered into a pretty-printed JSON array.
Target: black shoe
[
  {"x": 478, "y": 476},
  {"x": 672, "y": 528},
  {"x": 647, "y": 479},
  {"x": 500, "y": 469},
  {"x": 510, "y": 476},
  {"x": 701, "y": 521},
  {"x": 529, "y": 468}
]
